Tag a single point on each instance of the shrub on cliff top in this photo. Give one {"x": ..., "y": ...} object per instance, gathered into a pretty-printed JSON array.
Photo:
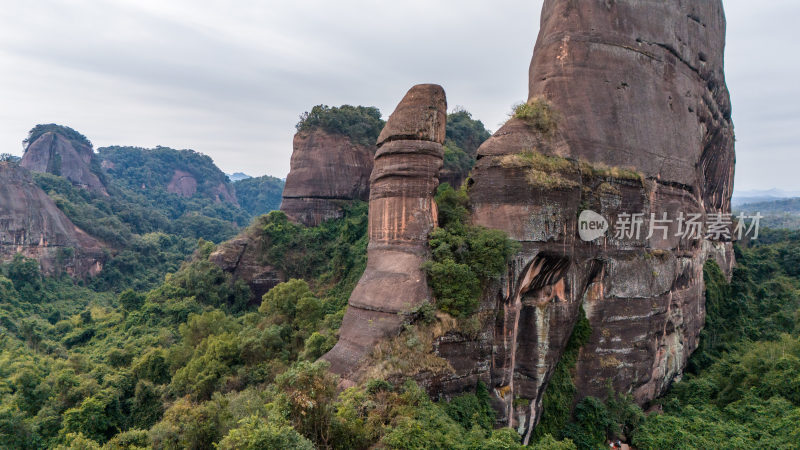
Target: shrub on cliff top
[
  {"x": 362, "y": 124},
  {"x": 538, "y": 114}
]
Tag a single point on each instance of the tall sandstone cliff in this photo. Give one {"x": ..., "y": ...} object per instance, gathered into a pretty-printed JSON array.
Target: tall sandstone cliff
[
  {"x": 402, "y": 213},
  {"x": 327, "y": 170},
  {"x": 631, "y": 115},
  {"x": 31, "y": 224},
  {"x": 53, "y": 153},
  {"x": 628, "y": 113}
]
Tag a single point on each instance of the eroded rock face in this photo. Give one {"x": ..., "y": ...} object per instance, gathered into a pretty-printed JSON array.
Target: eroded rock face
[
  {"x": 182, "y": 183},
  {"x": 402, "y": 213},
  {"x": 643, "y": 126},
  {"x": 327, "y": 171},
  {"x": 31, "y": 224},
  {"x": 243, "y": 258},
  {"x": 55, "y": 154}
]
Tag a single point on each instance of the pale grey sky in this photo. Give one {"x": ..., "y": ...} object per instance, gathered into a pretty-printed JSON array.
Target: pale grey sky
[{"x": 230, "y": 81}]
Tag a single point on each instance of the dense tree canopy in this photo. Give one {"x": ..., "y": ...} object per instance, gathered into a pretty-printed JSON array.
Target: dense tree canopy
[
  {"x": 65, "y": 131},
  {"x": 259, "y": 195},
  {"x": 362, "y": 124}
]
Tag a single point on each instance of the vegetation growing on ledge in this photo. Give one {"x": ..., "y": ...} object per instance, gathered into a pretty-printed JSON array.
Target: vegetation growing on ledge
[
  {"x": 544, "y": 171},
  {"x": 362, "y": 124},
  {"x": 72, "y": 135},
  {"x": 556, "y": 172},
  {"x": 604, "y": 171},
  {"x": 464, "y": 258},
  {"x": 537, "y": 113}
]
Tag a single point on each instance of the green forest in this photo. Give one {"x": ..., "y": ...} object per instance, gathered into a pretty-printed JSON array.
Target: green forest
[
  {"x": 165, "y": 350},
  {"x": 193, "y": 363}
]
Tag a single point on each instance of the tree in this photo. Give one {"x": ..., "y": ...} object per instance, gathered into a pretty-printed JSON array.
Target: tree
[
  {"x": 24, "y": 273},
  {"x": 310, "y": 390},
  {"x": 254, "y": 433}
]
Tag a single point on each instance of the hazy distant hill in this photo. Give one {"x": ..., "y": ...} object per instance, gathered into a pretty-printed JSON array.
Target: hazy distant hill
[
  {"x": 238, "y": 176},
  {"x": 761, "y": 195},
  {"x": 259, "y": 195},
  {"x": 780, "y": 213}
]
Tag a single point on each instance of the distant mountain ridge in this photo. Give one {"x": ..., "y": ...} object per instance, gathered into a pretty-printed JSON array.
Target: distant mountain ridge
[
  {"x": 121, "y": 199},
  {"x": 238, "y": 176},
  {"x": 761, "y": 195},
  {"x": 777, "y": 213}
]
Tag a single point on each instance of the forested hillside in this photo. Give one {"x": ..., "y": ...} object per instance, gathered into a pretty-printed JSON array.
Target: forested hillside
[
  {"x": 781, "y": 213},
  {"x": 259, "y": 195},
  {"x": 188, "y": 364}
]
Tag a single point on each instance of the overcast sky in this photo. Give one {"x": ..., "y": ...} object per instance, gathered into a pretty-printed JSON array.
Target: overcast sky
[{"x": 231, "y": 82}]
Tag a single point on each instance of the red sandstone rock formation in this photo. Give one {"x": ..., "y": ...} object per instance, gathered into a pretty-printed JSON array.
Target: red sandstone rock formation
[
  {"x": 31, "y": 224},
  {"x": 327, "y": 170},
  {"x": 185, "y": 184},
  {"x": 53, "y": 153},
  {"x": 182, "y": 183},
  {"x": 636, "y": 85},
  {"x": 242, "y": 257},
  {"x": 401, "y": 215}
]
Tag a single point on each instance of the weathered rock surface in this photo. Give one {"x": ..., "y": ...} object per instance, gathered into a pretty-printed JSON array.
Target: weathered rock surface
[
  {"x": 327, "y": 171},
  {"x": 637, "y": 85},
  {"x": 185, "y": 184},
  {"x": 31, "y": 224},
  {"x": 55, "y": 154},
  {"x": 182, "y": 183},
  {"x": 243, "y": 258},
  {"x": 402, "y": 213}
]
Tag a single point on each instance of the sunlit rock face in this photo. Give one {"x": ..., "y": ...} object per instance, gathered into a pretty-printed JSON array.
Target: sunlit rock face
[
  {"x": 31, "y": 224},
  {"x": 55, "y": 154},
  {"x": 641, "y": 124},
  {"x": 327, "y": 171},
  {"x": 402, "y": 213}
]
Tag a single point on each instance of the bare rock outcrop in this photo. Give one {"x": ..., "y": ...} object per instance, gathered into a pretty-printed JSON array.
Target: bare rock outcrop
[
  {"x": 182, "y": 183},
  {"x": 628, "y": 113},
  {"x": 53, "y": 153},
  {"x": 402, "y": 213},
  {"x": 31, "y": 224},
  {"x": 327, "y": 170},
  {"x": 243, "y": 258}
]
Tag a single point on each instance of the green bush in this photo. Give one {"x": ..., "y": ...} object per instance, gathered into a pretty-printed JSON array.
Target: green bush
[
  {"x": 463, "y": 258},
  {"x": 65, "y": 131},
  {"x": 539, "y": 114},
  {"x": 362, "y": 124},
  {"x": 472, "y": 409},
  {"x": 255, "y": 433}
]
